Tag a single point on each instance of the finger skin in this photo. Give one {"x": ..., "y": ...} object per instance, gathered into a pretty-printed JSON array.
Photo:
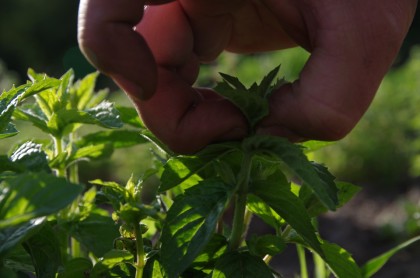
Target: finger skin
[
  {"x": 352, "y": 45},
  {"x": 107, "y": 38},
  {"x": 185, "y": 118},
  {"x": 352, "y": 48}
]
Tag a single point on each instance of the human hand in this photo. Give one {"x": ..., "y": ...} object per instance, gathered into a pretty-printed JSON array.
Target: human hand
[{"x": 352, "y": 45}]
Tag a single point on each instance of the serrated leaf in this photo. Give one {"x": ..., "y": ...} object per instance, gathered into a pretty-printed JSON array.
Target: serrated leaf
[
  {"x": 44, "y": 249},
  {"x": 31, "y": 156},
  {"x": 9, "y": 131},
  {"x": 97, "y": 151},
  {"x": 190, "y": 223},
  {"x": 109, "y": 261},
  {"x": 375, "y": 264},
  {"x": 346, "y": 191},
  {"x": 234, "y": 81},
  {"x": 316, "y": 177},
  {"x": 83, "y": 91},
  {"x": 10, "y": 237},
  {"x": 182, "y": 169},
  {"x": 7, "y": 165},
  {"x": 340, "y": 261},
  {"x": 130, "y": 116},
  {"x": 215, "y": 248},
  {"x": 118, "y": 138},
  {"x": 266, "y": 245},
  {"x": 251, "y": 105},
  {"x": 86, "y": 232},
  {"x": 40, "y": 86},
  {"x": 258, "y": 207},
  {"x": 241, "y": 265},
  {"x": 31, "y": 195},
  {"x": 291, "y": 209},
  {"x": 104, "y": 115},
  {"x": 77, "y": 267},
  {"x": 265, "y": 88},
  {"x": 34, "y": 115}
]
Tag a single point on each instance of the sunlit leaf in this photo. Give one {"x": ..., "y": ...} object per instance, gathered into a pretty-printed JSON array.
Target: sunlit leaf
[
  {"x": 31, "y": 195},
  {"x": 314, "y": 176},
  {"x": 190, "y": 223}
]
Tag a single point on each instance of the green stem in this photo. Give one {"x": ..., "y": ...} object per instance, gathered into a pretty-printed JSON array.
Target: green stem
[
  {"x": 58, "y": 149},
  {"x": 238, "y": 226},
  {"x": 320, "y": 268},
  {"x": 140, "y": 263},
  {"x": 302, "y": 261}
]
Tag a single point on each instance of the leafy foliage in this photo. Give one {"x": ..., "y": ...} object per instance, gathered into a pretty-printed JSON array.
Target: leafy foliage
[{"x": 53, "y": 226}]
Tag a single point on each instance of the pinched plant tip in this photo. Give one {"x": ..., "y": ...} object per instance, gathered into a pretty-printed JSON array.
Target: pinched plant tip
[
  {"x": 252, "y": 101},
  {"x": 51, "y": 227}
]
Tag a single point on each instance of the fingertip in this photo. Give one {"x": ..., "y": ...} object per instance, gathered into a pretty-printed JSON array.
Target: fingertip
[{"x": 134, "y": 89}]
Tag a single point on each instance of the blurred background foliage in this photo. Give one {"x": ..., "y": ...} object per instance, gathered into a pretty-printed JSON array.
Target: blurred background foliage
[{"x": 383, "y": 151}]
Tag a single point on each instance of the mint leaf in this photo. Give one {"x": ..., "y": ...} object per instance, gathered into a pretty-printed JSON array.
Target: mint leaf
[
  {"x": 30, "y": 195},
  {"x": 291, "y": 209},
  {"x": 340, "y": 261},
  {"x": 312, "y": 175},
  {"x": 31, "y": 156},
  {"x": 375, "y": 264},
  {"x": 190, "y": 223},
  {"x": 44, "y": 248},
  {"x": 241, "y": 265},
  {"x": 252, "y": 101},
  {"x": 117, "y": 138}
]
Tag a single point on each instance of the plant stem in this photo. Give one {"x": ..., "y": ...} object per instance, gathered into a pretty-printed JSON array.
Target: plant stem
[
  {"x": 238, "y": 226},
  {"x": 140, "y": 263},
  {"x": 302, "y": 261},
  {"x": 58, "y": 149},
  {"x": 320, "y": 269}
]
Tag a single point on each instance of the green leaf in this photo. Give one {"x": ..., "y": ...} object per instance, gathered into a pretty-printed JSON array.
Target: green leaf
[
  {"x": 266, "y": 245},
  {"x": 82, "y": 91},
  {"x": 241, "y": 265},
  {"x": 291, "y": 209},
  {"x": 31, "y": 156},
  {"x": 87, "y": 232},
  {"x": 10, "y": 237},
  {"x": 313, "y": 145},
  {"x": 106, "y": 115},
  {"x": 190, "y": 223},
  {"x": 44, "y": 249},
  {"x": 258, "y": 207},
  {"x": 183, "y": 169},
  {"x": 215, "y": 248},
  {"x": 253, "y": 102},
  {"x": 31, "y": 195},
  {"x": 314, "y": 176},
  {"x": 7, "y": 165},
  {"x": 97, "y": 151},
  {"x": 346, "y": 192},
  {"x": 118, "y": 138},
  {"x": 375, "y": 264},
  {"x": 77, "y": 267},
  {"x": 340, "y": 261},
  {"x": 114, "y": 192},
  {"x": 130, "y": 116},
  {"x": 110, "y": 260},
  {"x": 251, "y": 105},
  {"x": 33, "y": 114},
  {"x": 8, "y": 131}
]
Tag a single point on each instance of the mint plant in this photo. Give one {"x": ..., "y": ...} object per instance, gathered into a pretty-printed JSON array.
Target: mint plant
[{"x": 51, "y": 225}]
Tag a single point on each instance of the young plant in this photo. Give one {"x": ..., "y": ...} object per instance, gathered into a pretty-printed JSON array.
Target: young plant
[{"x": 52, "y": 226}]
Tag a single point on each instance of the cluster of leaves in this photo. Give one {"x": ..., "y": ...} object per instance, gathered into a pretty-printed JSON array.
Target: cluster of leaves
[{"x": 51, "y": 225}]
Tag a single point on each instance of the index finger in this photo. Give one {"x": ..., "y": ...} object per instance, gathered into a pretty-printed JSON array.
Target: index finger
[{"x": 107, "y": 37}]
